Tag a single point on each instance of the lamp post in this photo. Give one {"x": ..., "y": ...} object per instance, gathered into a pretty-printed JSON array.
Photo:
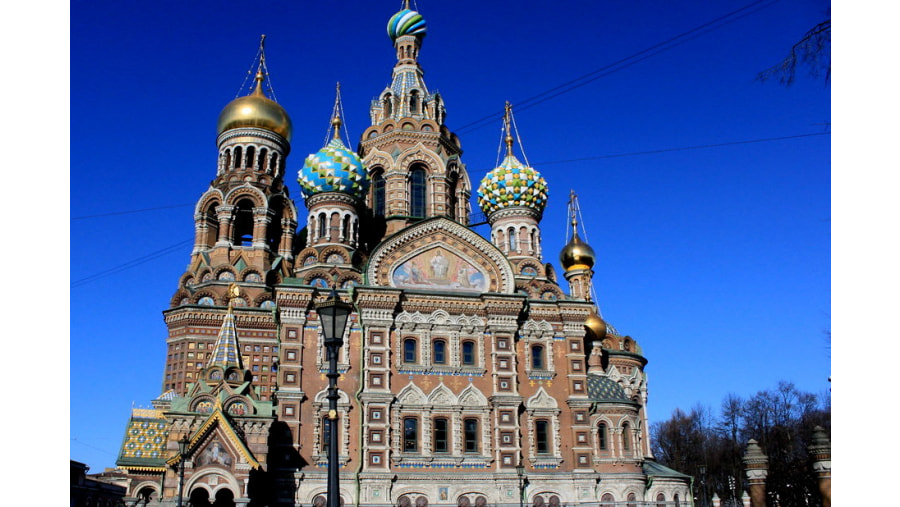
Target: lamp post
[
  {"x": 702, "y": 485},
  {"x": 333, "y": 313},
  {"x": 182, "y": 449},
  {"x": 520, "y": 471}
]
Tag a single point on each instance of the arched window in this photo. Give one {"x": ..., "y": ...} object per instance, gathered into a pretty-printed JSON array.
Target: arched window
[
  {"x": 388, "y": 105},
  {"x": 607, "y": 500},
  {"x": 511, "y": 234},
  {"x": 626, "y": 437},
  {"x": 660, "y": 500},
  {"x": 632, "y": 500},
  {"x": 273, "y": 230},
  {"x": 537, "y": 357},
  {"x": 410, "y": 434},
  {"x": 243, "y": 222},
  {"x": 468, "y": 353},
  {"x": 677, "y": 500},
  {"x": 441, "y": 435},
  {"x": 345, "y": 228},
  {"x": 439, "y": 352},
  {"x": 211, "y": 219},
  {"x": 238, "y": 157},
  {"x": 273, "y": 163},
  {"x": 261, "y": 163},
  {"x": 227, "y": 164},
  {"x": 601, "y": 436},
  {"x": 452, "y": 198},
  {"x": 323, "y": 226},
  {"x": 251, "y": 155},
  {"x": 542, "y": 436},
  {"x": 470, "y": 434},
  {"x": 414, "y": 102},
  {"x": 378, "y": 202},
  {"x": 417, "y": 192},
  {"x": 410, "y": 355}
]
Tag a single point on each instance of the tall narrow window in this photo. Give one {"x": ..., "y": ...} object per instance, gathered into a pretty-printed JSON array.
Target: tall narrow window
[
  {"x": 273, "y": 163},
  {"x": 417, "y": 192},
  {"x": 439, "y": 352},
  {"x": 409, "y": 351},
  {"x": 542, "y": 436},
  {"x": 227, "y": 160},
  {"x": 511, "y": 234},
  {"x": 251, "y": 155},
  {"x": 410, "y": 434},
  {"x": 238, "y": 157},
  {"x": 323, "y": 225},
  {"x": 537, "y": 357},
  {"x": 626, "y": 437},
  {"x": 388, "y": 106},
  {"x": 470, "y": 434},
  {"x": 243, "y": 222},
  {"x": 468, "y": 353},
  {"x": 452, "y": 199},
  {"x": 414, "y": 102},
  {"x": 378, "y": 203},
  {"x": 601, "y": 436},
  {"x": 345, "y": 228},
  {"x": 441, "y": 433},
  {"x": 263, "y": 155}
]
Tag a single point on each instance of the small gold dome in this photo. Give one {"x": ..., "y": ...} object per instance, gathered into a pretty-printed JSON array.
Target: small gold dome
[
  {"x": 577, "y": 255},
  {"x": 596, "y": 326},
  {"x": 255, "y": 110}
]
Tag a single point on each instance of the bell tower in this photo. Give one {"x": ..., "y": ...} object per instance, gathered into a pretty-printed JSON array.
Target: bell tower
[{"x": 412, "y": 157}]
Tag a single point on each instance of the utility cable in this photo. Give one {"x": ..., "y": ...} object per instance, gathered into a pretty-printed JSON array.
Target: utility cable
[
  {"x": 132, "y": 263},
  {"x": 625, "y": 62}
]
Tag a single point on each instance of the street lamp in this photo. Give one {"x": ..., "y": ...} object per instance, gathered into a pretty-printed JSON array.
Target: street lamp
[
  {"x": 520, "y": 471},
  {"x": 182, "y": 450},
  {"x": 702, "y": 485},
  {"x": 333, "y": 313}
]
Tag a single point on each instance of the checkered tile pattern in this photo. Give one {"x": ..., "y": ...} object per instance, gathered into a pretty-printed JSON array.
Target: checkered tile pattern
[
  {"x": 512, "y": 184},
  {"x": 334, "y": 168}
]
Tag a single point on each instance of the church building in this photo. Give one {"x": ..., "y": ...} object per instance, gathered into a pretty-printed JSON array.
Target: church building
[{"x": 470, "y": 371}]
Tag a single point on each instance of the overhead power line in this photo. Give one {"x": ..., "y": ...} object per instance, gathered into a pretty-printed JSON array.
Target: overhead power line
[
  {"x": 624, "y": 63},
  {"x": 132, "y": 211},
  {"x": 132, "y": 263}
]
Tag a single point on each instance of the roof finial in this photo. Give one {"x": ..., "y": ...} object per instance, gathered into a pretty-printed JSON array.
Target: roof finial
[
  {"x": 573, "y": 214},
  {"x": 508, "y": 123},
  {"x": 336, "y": 114}
]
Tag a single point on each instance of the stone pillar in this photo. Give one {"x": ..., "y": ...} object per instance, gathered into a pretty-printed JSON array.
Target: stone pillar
[
  {"x": 820, "y": 452},
  {"x": 756, "y": 466}
]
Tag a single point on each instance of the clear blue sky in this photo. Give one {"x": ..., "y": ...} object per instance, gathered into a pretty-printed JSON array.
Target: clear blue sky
[{"x": 714, "y": 253}]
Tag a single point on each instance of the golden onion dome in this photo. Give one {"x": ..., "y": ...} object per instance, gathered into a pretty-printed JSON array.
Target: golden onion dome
[
  {"x": 577, "y": 255},
  {"x": 256, "y": 111},
  {"x": 596, "y": 326}
]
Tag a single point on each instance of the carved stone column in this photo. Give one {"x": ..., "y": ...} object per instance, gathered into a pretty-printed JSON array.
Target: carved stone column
[
  {"x": 756, "y": 465},
  {"x": 820, "y": 451}
]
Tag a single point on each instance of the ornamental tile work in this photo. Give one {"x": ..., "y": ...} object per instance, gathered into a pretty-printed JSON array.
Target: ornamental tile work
[
  {"x": 145, "y": 438},
  {"x": 334, "y": 168},
  {"x": 512, "y": 184},
  {"x": 406, "y": 22}
]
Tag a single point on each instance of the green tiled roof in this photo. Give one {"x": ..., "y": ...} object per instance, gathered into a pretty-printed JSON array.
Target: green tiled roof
[
  {"x": 652, "y": 468},
  {"x": 603, "y": 388},
  {"x": 145, "y": 439}
]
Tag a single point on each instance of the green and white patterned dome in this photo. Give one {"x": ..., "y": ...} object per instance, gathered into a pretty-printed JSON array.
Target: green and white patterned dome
[
  {"x": 334, "y": 168},
  {"x": 512, "y": 184},
  {"x": 406, "y": 22}
]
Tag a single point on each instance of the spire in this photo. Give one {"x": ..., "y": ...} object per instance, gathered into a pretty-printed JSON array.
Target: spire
[
  {"x": 507, "y": 121},
  {"x": 225, "y": 351},
  {"x": 337, "y": 114}
]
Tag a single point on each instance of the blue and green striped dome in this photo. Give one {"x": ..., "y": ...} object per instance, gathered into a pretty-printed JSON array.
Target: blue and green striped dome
[
  {"x": 406, "y": 22},
  {"x": 334, "y": 168},
  {"x": 512, "y": 184}
]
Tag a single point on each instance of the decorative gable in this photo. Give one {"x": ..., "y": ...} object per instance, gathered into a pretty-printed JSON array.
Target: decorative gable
[{"x": 440, "y": 254}]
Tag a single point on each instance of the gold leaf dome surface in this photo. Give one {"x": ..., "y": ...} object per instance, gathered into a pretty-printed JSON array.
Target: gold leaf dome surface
[
  {"x": 596, "y": 326},
  {"x": 257, "y": 111},
  {"x": 577, "y": 255}
]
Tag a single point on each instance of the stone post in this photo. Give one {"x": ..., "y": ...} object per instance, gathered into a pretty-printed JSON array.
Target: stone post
[
  {"x": 756, "y": 466},
  {"x": 820, "y": 452}
]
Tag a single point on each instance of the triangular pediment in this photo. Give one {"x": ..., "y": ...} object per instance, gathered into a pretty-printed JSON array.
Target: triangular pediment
[
  {"x": 440, "y": 254},
  {"x": 217, "y": 442}
]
